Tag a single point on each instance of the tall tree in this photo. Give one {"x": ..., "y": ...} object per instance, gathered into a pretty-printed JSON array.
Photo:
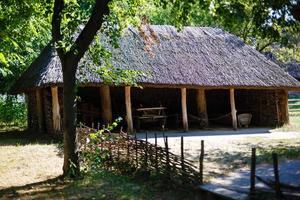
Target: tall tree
[{"x": 69, "y": 60}]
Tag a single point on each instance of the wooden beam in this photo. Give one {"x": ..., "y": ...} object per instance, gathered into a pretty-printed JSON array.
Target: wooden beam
[
  {"x": 106, "y": 112},
  {"x": 284, "y": 107},
  {"x": 184, "y": 110},
  {"x": 39, "y": 109},
  {"x": 128, "y": 109},
  {"x": 201, "y": 105},
  {"x": 55, "y": 110},
  {"x": 233, "y": 109}
]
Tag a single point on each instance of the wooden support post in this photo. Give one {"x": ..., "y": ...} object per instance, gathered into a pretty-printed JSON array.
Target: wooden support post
[
  {"x": 285, "y": 107},
  {"x": 184, "y": 110},
  {"x": 252, "y": 172},
  {"x": 233, "y": 109},
  {"x": 201, "y": 162},
  {"x": 39, "y": 109},
  {"x": 106, "y": 112},
  {"x": 55, "y": 110},
  {"x": 128, "y": 109},
  {"x": 201, "y": 106}
]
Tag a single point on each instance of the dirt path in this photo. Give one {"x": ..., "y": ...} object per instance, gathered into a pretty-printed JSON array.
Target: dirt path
[{"x": 227, "y": 150}]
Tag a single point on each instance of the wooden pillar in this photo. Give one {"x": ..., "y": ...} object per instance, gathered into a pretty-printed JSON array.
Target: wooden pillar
[
  {"x": 39, "y": 109},
  {"x": 283, "y": 107},
  {"x": 128, "y": 109},
  {"x": 55, "y": 110},
  {"x": 233, "y": 109},
  {"x": 184, "y": 110},
  {"x": 106, "y": 112},
  {"x": 201, "y": 105}
]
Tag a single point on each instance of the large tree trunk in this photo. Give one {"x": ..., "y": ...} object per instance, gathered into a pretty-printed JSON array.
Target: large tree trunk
[{"x": 69, "y": 123}]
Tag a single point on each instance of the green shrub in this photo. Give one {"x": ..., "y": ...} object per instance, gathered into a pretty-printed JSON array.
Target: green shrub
[{"x": 12, "y": 110}]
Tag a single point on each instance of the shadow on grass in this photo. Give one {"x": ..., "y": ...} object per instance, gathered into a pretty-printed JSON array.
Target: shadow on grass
[
  {"x": 25, "y": 137},
  {"x": 102, "y": 185}
]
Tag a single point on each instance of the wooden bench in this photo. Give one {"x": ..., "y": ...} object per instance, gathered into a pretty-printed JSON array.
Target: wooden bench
[{"x": 151, "y": 114}]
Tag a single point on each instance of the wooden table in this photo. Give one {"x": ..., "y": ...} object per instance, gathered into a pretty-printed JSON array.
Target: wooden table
[{"x": 151, "y": 114}]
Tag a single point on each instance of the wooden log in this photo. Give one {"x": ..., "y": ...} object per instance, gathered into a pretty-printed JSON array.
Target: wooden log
[
  {"x": 233, "y": 109},
  {"x": 184, "y": 110},
  {"x": 106, "y": 111},
  {"x": 128, "y": 109},
  {"x": 252, "y": 171},
  {"x": 39, "y": 109},
  {"x": 201, "y": 105},
  {"x": 55, "y": 110},
  {"x": 276, "y": 175},
  {"x": 201, "y": 158}
]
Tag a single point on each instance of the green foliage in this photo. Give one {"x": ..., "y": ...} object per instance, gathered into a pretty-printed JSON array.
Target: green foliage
[
  {"x": 12, "y": 111},
  {"x": 24, "y": 30},
  {"x": 93, "y": 155}
]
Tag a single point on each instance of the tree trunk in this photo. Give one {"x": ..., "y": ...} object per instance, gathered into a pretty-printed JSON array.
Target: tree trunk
[{"x": 71, "y": 157}]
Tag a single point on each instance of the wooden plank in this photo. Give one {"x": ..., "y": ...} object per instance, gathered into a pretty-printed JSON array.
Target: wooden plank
[
  {"x": 184, "y": 110},
  {"x": 233, "y": 109},
  {"x": 39, "y": 109},
  {"x": 294, "y": 110},
  {"x": 201, "y": 105},
  {"x": 55, "y": 109},
  {"x": 151, "y": 108},
  {"x": 128, "y": 109},
  {"x": 106, "y": 111}
]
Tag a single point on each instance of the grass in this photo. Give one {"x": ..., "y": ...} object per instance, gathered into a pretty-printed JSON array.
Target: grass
[
  {"x": 30, "y": 169},
  {"x": 101, "y": 185},
  {"x": 294, "y": 124}
]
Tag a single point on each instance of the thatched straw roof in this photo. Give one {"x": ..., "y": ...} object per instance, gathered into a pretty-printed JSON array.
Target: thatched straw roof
[{"x": 193, "y": 57}]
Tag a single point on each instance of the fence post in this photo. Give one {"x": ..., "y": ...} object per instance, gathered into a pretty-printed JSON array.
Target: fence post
[
  {"x": 253, "y": 168},
  {"x": 146, "y": 152},
  {"x": 276, "y": 175},
  {"x": 182, "y": 153},
  {"x": 167, "y": 158},
  {"x": 128, "y": 146},
  {"x": 156, "y": 157},
  {"x": 136, "y": 151},
  {"x": 118, "y": 146},
  {"x": 201, "y": 161}
]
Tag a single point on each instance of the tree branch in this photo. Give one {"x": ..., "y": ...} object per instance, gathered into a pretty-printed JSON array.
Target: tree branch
[
  {"x": 260, "y": 49},
  {"x": 56, "y": 23},
  {"x": 88, "y": 33}
]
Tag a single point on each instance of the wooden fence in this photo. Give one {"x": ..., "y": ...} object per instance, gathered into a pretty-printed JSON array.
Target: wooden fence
[
  {"x": 143, "y": 156},
  {"x": 294, "y": 104}
]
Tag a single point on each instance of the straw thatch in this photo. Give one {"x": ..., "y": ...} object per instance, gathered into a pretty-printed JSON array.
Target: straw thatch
[{"x": 193, "y": 57}]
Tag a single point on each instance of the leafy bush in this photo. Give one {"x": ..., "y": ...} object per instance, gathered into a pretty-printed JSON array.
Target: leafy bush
[
  {"x": 12, "y": 110},
  {"x": 94, "y": 154}
]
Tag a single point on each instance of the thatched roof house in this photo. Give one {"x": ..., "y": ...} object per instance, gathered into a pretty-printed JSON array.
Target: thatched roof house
[{"x": 207, "y": 62}]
